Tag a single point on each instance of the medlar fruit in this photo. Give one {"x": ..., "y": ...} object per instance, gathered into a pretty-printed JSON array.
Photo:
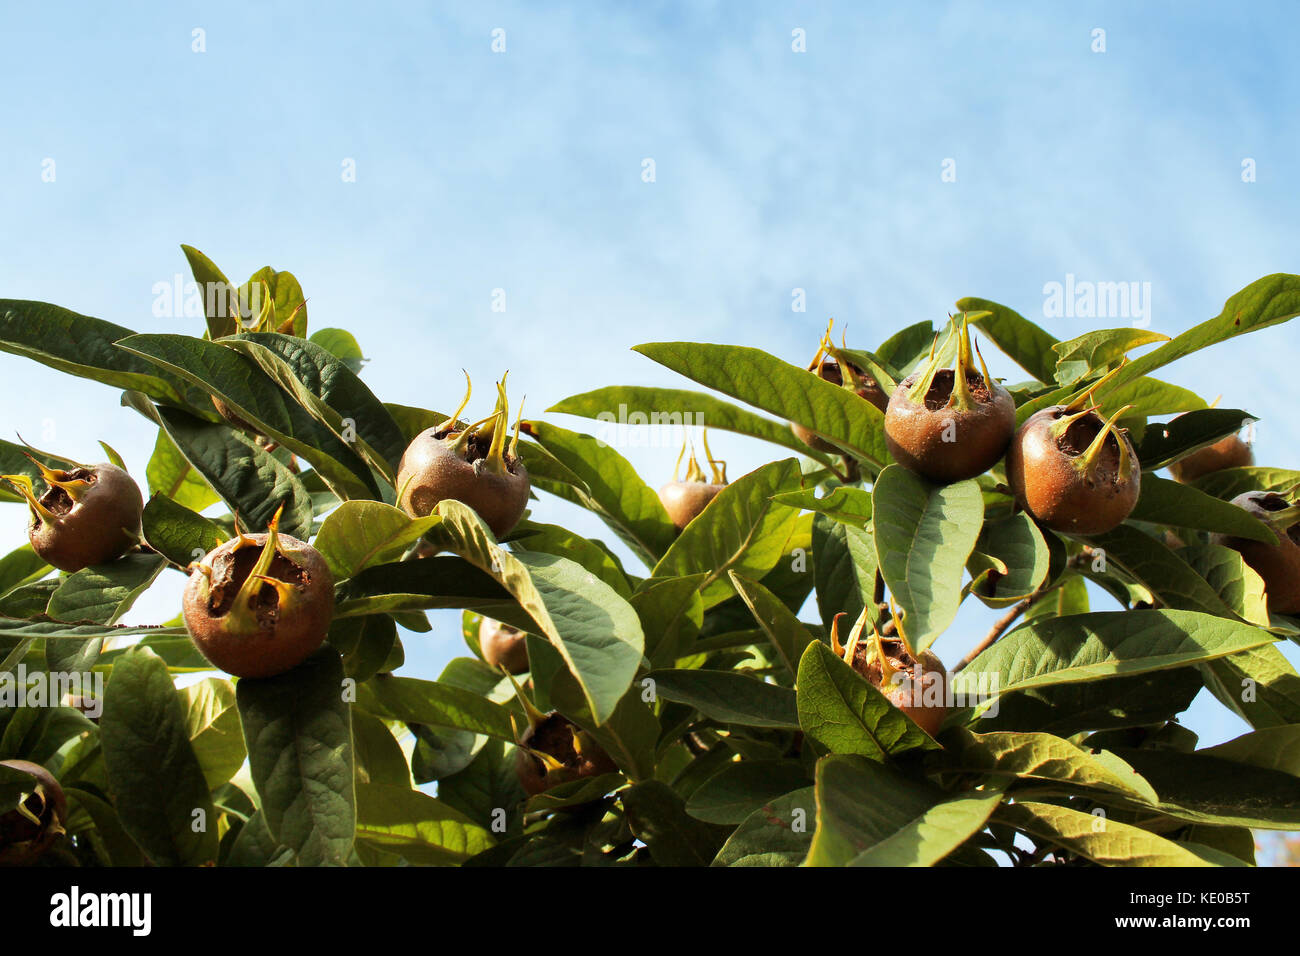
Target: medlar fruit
[
  {"x": 554, "y": 750},
  {"x": 948, "y": 425},
  {"x": 259, "y": 604},
  {"x": 89, "y": 514},
  {"x": 1278, "y": 564},
  {"x": 832, "y": 365},
  {"x": 684, "y": 500},
  {"x": 915, "y": 684},
  {"x": 1074, "y": 471},
  {"x": 470, "y": 465},
  {"x": 31, "y": 828},
  {"x": 503, "y": 646}
]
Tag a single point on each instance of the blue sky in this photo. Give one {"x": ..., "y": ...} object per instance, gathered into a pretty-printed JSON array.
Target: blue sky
[{"x": 522, "y": 171}]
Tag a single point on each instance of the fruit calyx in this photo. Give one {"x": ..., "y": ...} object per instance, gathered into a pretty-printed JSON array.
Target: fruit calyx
[
  {"x": 554, "y": 750},
  {"x": 39, "y": 819},
  {"x": 965, "y": 387},
  {"x": 483, "y": 443}
]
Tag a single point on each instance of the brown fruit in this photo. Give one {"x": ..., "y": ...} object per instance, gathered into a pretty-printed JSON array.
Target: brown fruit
[
  {"x": 23, "y": 841},
  {"x": 1278, "y": 564},
  {"x": 1229, "y": 452},
  {"x": 948, "y": 425},
  {"x": 862, "y": 385},
  {"x": 472, "y": 466},
  {"x": 916, "y": 686},
  {"x": 89, "y": 514},
  {"x": 1074, "y": 471},
  {"x": 259, "y": 604},
  {"x": 684, "y": 500},
  {"x": 503, "y": 646},
  {"x": 575, "y": 755}
]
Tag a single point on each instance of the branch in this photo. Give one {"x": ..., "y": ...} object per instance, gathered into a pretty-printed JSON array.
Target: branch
[{"x": 999, "y": 628}]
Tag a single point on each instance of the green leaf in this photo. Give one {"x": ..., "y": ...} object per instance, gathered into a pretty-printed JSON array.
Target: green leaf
[
  {"x": 1234, "y": 581},
  {"x": 612, "y": 489},
  {"x": 342, "y": 345},
  {"x": 924, "y": 534},
  {"x": 1019, "y": 339},
  {"x": 844, "y": 503},
  {"x": 741, "y": 530},
  {"x": 1167, "y": 502},
  {"x": 845, "y": 565},
  {"x": 728, "y": 697},
  {"x": 169, "y": 474},
  {"x": 299, "y": 735},
  {"x": 1040, "y": 756},
  {"x": 1097, "y": 351},
  {"x": 1273, "y": 748},
  {"x": 359, "y": 534},
  {"x": 844, "y": 714},
  {"x": 1010, "y": 561},
  {"x": 215, "y": 733},
  {"x": 847, "y": 824},
  {"x": 671, "y": 614},
  {"x": 83, "y": 346},
  {"x": 177, "y": 533},
  {"x": 220, "y": 306},
  {"x": 740, "y": 789},
  {"x": 658, "y": 818},
  {"x": 160, "y": 793},
  {"x": 255, "y": 398},
  {"x": 626, "y": 406},
  {"x": 596, "y": 631},
  {"x": 1260, "y": 685},
  {"x": 487, "y": 785},
  {"x": 1166, "y": 442},
  {"x": 1115, "y": 702},
  {"x": 252, "y": 483},
  {"x": 935, "y": 833},
  {"x": 332, "y": 392},
  {"x": 58, "y": 630},
  {"x": 1103, "y": 841},
  {"x": 1085, "y": 647},
  {"x": 103, "y": 593},
  {"x": 788, "y": 635},
  {"x": 777, "y": 834},
  {"x": 781, "y": 389},
  {"x": 1231, "y": 482},
  {"x": 417, "y": 827},
  {"x": 435, "y": 704},
  {"x": 553, "y": 539},
  {"x": 1167, "y": 576},
  {"x": 21, "y": 566},
  {"x": 1265, "y": 302}
]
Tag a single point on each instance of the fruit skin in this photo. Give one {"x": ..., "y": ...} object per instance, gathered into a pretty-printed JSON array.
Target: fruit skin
[
  {"x": 684, "y": 500},
  {"x": 1278, "y": 564},
  {"x": 553, "y": 735},
  {"x": 1229, "y": 452},
  {"x": 1043, "y": 475},
  {"x": 912, "y": 689},
  {"x": 503, "y": 646},
  {"x": 275, "y": 639},
  {"x": 21, "y": 841},
  {"x": 102, "y": 525},
  {"x": 828, "y": 370},
  {"x": 430, "y": 472},
  {"x": 914, "y": 431}
]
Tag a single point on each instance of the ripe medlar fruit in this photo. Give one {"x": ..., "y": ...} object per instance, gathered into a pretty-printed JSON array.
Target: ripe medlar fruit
[
  {"x": 1278, "y": 564},
  {"x": 950, "y": 424},
  {"x": 503, "y": 646},
  {"x": 832, "y": 365},
  {"x": 259, "y": 604},
  {"x": 915, "y": 684},
  {"x": 1228, "y": 452},
  {"x": 554, "y": 750},
  {"x": 472, "y": 466},
  {"x": 31, "y": 828},
  {"x": 684, "y": 500},
  {"x": 1074, "y": 471},
  {"x": 89, "y": 514}
]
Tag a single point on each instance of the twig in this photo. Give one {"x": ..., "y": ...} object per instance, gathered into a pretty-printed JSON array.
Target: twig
[{"x": 998, "y": 629}]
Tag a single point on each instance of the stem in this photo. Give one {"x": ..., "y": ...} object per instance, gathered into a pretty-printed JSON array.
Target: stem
[{"x": 999, "y": 628}]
